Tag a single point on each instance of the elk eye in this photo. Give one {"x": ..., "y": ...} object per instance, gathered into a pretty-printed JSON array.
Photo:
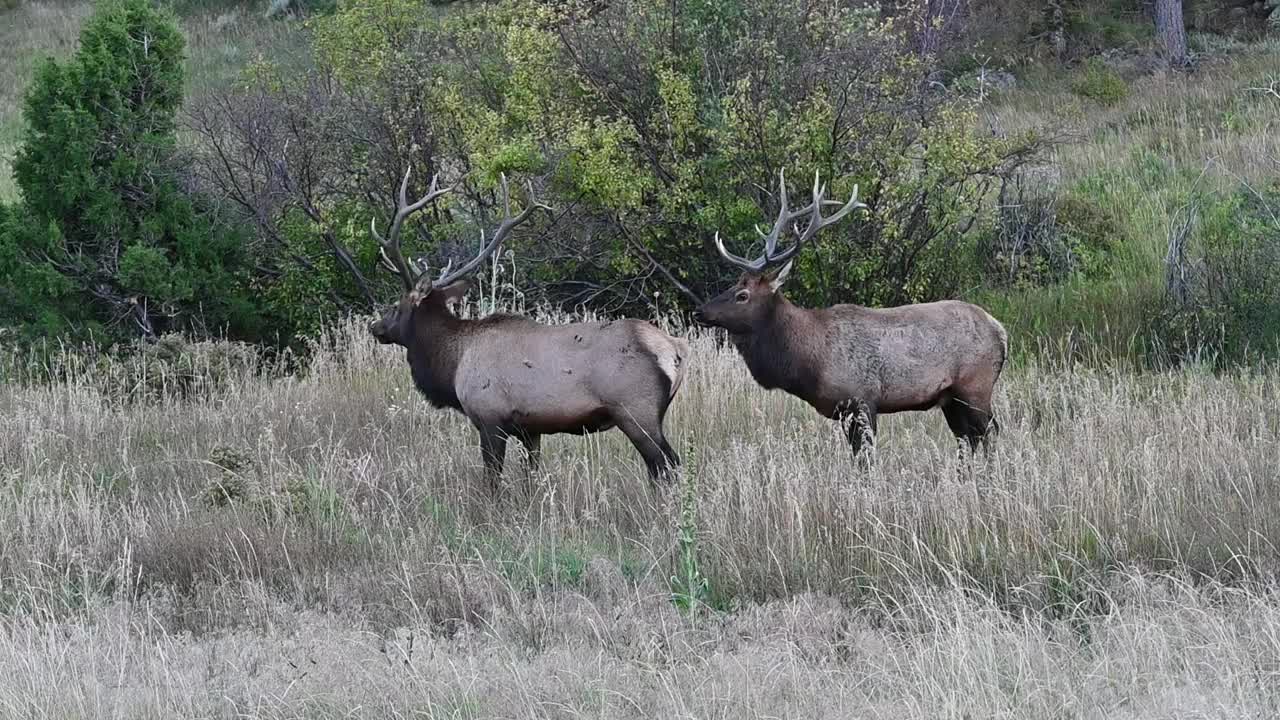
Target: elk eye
[{"x": 742, "y": 296}]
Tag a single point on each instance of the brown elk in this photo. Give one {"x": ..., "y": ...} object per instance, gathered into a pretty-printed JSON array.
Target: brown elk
[
  {"x": 514, "y": 377},
  {"x": 854, "y": 363}
]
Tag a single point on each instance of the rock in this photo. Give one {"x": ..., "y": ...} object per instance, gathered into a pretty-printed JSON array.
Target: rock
[{"x": 997, "y": 79}]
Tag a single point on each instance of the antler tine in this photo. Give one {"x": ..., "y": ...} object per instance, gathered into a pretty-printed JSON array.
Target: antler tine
[
  {"x": 853, "y": 204},
  {"x": 787, "y": 217},
  {"x": 448, "y": 266},
  {"x": 528, "y": 186},
  {"x": 390, "y": 251},
  {"x": 771, "y": 240},
  {"x": 771, "y": 256},
  {"x": 748, "y": 265},
  {"x": 508, "y": 223},
  {"x": 383, "y": 260},
  {"x": 433, "y": 192},
  {"x": 404, "y": 189},
  {"x": 817, "y": 221}
]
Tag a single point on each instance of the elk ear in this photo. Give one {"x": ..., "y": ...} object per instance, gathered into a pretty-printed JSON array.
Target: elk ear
[
  {"x": 780, "y": 277},
  {"x": 453, "y": 292},
  {"x": 422, "y": 290}
]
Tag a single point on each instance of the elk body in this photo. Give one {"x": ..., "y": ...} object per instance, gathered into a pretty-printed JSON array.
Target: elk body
[
  {"x": 854, "y": 363},
  {"x": 514, "y": 377}
]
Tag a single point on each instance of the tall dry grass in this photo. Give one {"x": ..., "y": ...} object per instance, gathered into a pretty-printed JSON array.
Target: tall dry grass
[{"x": 316, "y": 546}]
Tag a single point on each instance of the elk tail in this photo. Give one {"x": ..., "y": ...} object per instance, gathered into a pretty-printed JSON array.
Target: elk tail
[
  {"x": 681, "y": 347},
  {"x": 1004, "y": 346},
  {"x": 670, "y": 354},
  {"x": 999, "y": 366}
]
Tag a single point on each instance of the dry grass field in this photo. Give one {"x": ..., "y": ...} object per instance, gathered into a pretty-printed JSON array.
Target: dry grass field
[{"x": 316, "y": 547}]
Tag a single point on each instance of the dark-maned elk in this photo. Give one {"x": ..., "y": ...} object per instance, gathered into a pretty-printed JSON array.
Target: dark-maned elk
[
  {"x": 514, "y": 377},
  {"x": 853, "y": 363}
]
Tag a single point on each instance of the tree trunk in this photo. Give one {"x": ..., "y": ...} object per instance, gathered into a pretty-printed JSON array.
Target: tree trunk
[{"x": 1172, "y": 31}]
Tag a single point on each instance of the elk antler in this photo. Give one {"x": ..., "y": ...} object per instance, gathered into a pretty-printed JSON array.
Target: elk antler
[
  {"x": 392, "y": 258},
  {"x": 508, "y": 222},
  {"x": 787, "y": 217}
]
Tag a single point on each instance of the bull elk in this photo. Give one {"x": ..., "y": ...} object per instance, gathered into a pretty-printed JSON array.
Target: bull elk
[
  {"x": 854, "y": 363},
  {"x": 514, "y": 377}
]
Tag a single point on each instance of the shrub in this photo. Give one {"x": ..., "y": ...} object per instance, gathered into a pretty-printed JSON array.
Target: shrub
[
  {"x": 1096, "y": 25},
  {"x": 1229, "y": 310},
  {"x": 646, "y": 148},
  {"x": 658, "y": 142},
  {"x": 312, "y": 157},
  {"x": 1091, "y": 232},
  {"x": 1241, "y": 246},
  {"x": 1041, "y": 238},
  {"x": 1098, "y": 82},
  {"x": 235, "y": 481},
  {"x": 165, "y": 369},
  {"x": 173, "y": 367}
]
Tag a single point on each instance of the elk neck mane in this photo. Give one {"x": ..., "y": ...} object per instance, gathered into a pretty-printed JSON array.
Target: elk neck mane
[{"x": 785, "y": 350}]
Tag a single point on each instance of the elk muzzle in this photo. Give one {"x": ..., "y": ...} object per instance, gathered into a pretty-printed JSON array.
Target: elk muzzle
[{"x": 378, "y": 329}]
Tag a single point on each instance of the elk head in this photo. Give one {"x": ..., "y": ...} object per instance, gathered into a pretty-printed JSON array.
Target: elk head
[
  {"x": 745, "y": 305},
  {"x": 395, "y": 325}
]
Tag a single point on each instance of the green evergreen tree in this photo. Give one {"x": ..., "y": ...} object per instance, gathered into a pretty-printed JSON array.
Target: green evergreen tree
[{"x": 109, "y": 236}]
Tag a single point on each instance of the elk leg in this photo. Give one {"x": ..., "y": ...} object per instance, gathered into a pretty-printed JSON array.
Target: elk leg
[
  {"x": 862, "y": 427},
  {"x": 533, "y": 446},
  {"x": 970, "y": 422},
  {"x": 493, "y": 450},
  {"x": 671, "y": 461},
  {"x": 659, "y": 457}
]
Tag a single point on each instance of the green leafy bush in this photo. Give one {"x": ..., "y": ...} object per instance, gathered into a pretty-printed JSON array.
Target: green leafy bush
[
  {"x": 1042, "y": 238},
  {"x": 1091, "y": 232},
  {"x": 1231, "y": 311},
  {"x": 1098, "y": 82},
  {"x": 657, "y": 143},
  {"x": 1095, "y": 25},
  {"x": 1241, "y": 241},
  {"x": 645, "y": 147}
]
